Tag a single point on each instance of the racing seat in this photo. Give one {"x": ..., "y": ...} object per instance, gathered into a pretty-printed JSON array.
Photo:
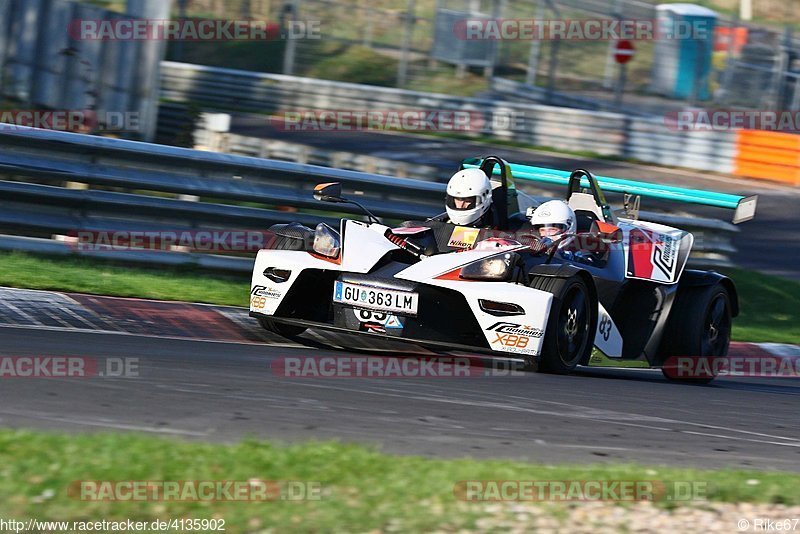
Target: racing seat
[
  {"x": 589, "y": 207},
  {"x": 515, "y": 221},
  {"x": 587, "y": 212}
]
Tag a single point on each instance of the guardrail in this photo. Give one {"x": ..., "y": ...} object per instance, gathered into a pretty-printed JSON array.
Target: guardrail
[
  {"x": 646, "y": 139},
  {"x": 713, "y": 237},
  {"x": 300, "y": 153},
  {"x": 58, "y": 183}
]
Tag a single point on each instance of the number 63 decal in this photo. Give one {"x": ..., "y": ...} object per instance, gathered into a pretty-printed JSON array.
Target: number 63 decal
[{"x": 605, "y": 326}]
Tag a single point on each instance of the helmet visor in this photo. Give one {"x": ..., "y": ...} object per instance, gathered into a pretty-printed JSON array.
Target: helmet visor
[{"x": 461, "y": 203}]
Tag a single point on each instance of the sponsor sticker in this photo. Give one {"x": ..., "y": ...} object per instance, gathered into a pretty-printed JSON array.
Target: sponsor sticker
[
  {"x": 463, "y": 237},
  {"x": 653, "y": 255},
  {"x": 513, "y": 337},
  {"x": 370, "y": 321},
  {"x": 260, "y": 295},
  {"x": 665, "y": 256},
  {"x": 264, "y": 291}
]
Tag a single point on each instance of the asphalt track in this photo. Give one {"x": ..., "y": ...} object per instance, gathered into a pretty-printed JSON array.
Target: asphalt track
[
  {"x": 219, "y": 391},
  {"x": 223, "y": 391},
  {"x": 769, "y": 243}
]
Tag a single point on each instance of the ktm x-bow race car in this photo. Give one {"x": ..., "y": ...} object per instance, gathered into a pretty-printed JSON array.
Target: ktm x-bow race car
[{"x": 614, "y": 293}]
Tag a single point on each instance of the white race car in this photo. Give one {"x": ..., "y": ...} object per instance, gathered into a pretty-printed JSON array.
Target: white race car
[{"x": 617, "y": 294}]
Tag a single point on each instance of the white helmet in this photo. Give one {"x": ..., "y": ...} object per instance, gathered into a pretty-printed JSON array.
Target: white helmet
[
  {"x": 469, "y": 196},
  {"x": 554, "y": 218}
]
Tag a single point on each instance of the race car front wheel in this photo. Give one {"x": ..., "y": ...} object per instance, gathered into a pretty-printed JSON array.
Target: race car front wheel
[
  {"x": 568, "y": 339},
  {"x": 285, "y": 330}
]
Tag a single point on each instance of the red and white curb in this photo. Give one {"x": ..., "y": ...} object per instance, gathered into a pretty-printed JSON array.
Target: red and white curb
[
  {"x": 79, "y": 312},
  {"x": 779, "y": 350}
]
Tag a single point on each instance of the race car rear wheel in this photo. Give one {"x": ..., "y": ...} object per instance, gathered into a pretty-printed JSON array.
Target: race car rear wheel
[
  {"x": 285, "y": 330},
  {"x": 568, "y": 339},
  {"x": 699, "y": 326}
]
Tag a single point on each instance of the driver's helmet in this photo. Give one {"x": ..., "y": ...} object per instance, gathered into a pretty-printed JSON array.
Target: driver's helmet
[
  {"x": 469, "y": 196},
  {"x": 553, "y": 219}
]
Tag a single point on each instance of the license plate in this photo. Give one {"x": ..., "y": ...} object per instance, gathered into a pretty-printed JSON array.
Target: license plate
[{"x": 376, "y": 298}]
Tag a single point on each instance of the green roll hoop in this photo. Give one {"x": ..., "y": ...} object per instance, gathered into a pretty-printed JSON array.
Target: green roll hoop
[{"x": 744, "y": 207}]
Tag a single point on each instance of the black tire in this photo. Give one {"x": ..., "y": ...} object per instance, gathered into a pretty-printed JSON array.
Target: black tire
[
  {"x": 285, "y": 330},
  {"x": 699, "y": 326},
  {"x": 569, "y": 337}
]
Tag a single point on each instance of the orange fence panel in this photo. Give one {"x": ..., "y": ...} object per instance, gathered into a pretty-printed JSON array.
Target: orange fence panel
[{"x": 768, "y": 155}]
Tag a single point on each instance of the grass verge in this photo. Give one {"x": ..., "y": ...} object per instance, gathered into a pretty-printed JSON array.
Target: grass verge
[
  {"x": 770, "y": 306},
  {"x": 83, "y": 275},
  {"x": 360, "y": 489}
]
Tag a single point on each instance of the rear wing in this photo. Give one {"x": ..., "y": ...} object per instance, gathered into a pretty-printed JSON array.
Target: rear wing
[{"x": 744, "y": 207}]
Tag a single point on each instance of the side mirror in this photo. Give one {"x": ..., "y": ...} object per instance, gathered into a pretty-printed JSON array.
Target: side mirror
[{"x": 330, "y": 192}]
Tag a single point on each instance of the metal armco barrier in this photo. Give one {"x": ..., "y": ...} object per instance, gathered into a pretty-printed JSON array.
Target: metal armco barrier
[
  {"x": 57, "y": 183},
  {"x": 300, "y": 153},
  {"x": 712, "y": 237},
  {"x": 648, "y": 139}
]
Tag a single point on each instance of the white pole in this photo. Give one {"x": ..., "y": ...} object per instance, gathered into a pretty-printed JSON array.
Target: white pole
[
  {"x": 611, "y": 66},
  {"x": 533, "y": 58},
  {"x": 402, "y": 66},
  {"x": 290, "y": 51},
  {"x": 746, "y": 9}
]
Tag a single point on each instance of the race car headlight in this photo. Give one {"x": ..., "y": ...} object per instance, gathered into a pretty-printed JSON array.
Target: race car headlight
[
  {"x": 326, "y": 241},
  {"x": 494, "y": 268}
]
